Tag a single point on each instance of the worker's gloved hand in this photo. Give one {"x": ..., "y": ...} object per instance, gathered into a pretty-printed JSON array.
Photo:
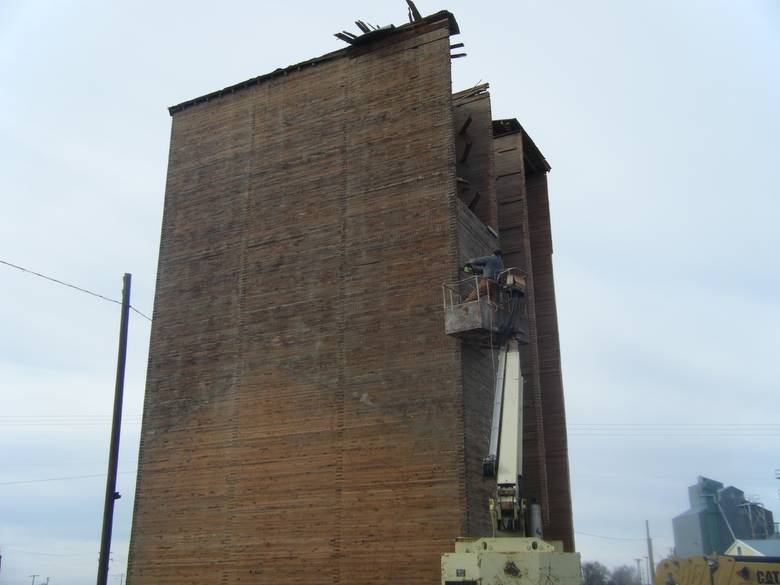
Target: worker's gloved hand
[{"x": 468, "y": 269}]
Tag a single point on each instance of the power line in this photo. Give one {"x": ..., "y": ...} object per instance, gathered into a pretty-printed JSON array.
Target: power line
[
  {"x": 58, "y": 463},
  {"x": 132, "y": 308},
  {"x": 65, "y": 416},
  {"x": 18, "y": 482},
  {"x": 679, "y": 435},
  {"x": 78, "y": 415},
  {"x": 676, "y": 430},
  {"x": 631, "y": 430},
  {"x": 45, "y": 554},
  {"x": 54, "y": 420},
  {"x": 73, "y": 286},
  {"x": 75, "y": 424},
  {"x": 607, "y": 537},
  {"x": 681, "y": 424}
]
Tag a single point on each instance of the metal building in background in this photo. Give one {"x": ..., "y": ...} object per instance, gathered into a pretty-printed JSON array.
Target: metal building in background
[{"x": 719, "y": 516}]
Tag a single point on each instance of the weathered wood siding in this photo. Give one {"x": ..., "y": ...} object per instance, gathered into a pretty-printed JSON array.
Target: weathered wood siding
[
  {"x": 474, "y": 163},
  {"x": 307, "y": 420},
  {"x": 474, "y": 152},
  {"x": 304, "y": 414},
  {"x": 561, "y": 525},
  {"x": 513, "y": 225},
  {"x": 478, "y": 367},
  {"x": 524, "y": 223}
]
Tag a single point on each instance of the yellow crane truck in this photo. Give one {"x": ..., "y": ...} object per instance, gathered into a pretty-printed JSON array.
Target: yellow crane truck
[
  {"x": 719, "y": 570},
  {"x": 516, "y": 553}
]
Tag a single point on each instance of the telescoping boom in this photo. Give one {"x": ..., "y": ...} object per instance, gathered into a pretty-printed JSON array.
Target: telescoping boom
[
  {"x": 515, "y": 554},
  {"x": 504, "y": 460}
]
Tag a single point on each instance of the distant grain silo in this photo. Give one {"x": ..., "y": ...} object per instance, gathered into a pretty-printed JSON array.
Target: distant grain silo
[{"x": 307, "y": 420}]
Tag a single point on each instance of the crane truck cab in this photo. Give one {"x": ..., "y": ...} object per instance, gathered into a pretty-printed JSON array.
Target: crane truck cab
[{"x": 718, "y": 570}]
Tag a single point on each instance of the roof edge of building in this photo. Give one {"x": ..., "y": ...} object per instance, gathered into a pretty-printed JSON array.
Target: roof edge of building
[
  {"x": 531, "y": 152},
  {"x": 441, "y": 15}
]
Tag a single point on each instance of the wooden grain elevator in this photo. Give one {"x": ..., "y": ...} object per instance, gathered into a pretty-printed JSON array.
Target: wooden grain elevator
[{"x": 306, "y": 418}]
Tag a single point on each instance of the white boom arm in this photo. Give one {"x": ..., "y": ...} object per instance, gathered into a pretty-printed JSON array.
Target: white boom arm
[
  {"x": 510, "y": 464},
  {"x": 505, "y": 458}
]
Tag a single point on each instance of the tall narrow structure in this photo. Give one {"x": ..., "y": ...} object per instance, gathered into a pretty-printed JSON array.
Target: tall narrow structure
[{"x": 307, "y": 420}]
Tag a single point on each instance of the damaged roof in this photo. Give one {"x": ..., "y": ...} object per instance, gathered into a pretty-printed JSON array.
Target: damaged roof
[{"x": 358, "y": 40}]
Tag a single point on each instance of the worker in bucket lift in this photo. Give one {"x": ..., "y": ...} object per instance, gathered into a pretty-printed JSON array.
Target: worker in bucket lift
[{"x": 489, "y": 268}]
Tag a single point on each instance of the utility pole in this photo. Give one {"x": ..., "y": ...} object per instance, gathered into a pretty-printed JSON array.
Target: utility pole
[
  {"x": 638, "y": 571},
  {"x": 777, "y": 476},
  {"x": 33, "y": 578},
  {"x": 650, "y": 552},
  {"x": 116, "y": 424}
]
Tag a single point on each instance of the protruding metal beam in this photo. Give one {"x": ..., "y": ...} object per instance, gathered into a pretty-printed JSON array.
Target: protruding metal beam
[
  {"x": 474, "y": 201},
  {"x": 466, "y": 151},
  {"x": 465, "y": 125},
  {"x": 415, "y": 14},
  {"x": 344, "y": 37}
]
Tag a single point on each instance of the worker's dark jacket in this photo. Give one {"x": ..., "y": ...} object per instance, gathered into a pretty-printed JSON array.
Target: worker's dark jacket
[{"x": 489, "y": 266}]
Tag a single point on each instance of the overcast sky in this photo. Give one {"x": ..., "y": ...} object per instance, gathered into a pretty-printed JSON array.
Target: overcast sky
[{"x": 659, "y": 118}]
